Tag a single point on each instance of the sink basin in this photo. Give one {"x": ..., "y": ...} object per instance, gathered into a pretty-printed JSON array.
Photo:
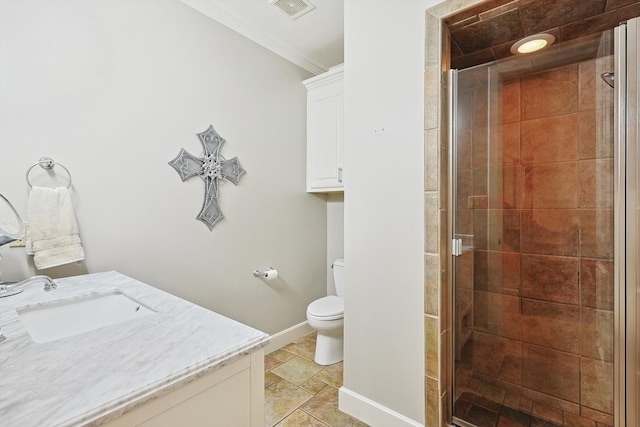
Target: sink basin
[{"x": 65, "y": 318}]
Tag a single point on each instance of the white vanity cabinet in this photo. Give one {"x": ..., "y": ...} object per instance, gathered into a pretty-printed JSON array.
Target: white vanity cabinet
[
  {"x": 325, "y": 129},
  {"x": 229, "y": 396},
  {"x": 181, "y": 365}
]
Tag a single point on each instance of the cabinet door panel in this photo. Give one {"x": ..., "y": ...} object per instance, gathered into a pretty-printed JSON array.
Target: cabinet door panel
[{"x": 325, "y": 142}]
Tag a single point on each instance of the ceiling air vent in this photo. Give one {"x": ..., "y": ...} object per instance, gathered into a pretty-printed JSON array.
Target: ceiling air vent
[{"x": 294, "y": 8}]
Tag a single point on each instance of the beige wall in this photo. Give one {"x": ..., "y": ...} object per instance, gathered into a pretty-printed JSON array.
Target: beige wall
[
  {"x": 113, "y": 90},
  {"x": 384, "y": 205}
]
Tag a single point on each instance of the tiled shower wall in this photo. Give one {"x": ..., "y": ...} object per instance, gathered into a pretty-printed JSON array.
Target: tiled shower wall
[{"x": 539, "y": 205}]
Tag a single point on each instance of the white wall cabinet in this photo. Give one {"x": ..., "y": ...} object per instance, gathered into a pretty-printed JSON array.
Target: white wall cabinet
[{"x": 325, "y": 130}]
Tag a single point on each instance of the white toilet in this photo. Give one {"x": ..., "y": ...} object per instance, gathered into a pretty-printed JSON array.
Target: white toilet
[{"x": 326, "y": 316}]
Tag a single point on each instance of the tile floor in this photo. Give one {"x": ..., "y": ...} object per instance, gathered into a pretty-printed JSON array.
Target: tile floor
[
  {"x": 301, "y": 393},
  {"x": 483, "y": 403}
]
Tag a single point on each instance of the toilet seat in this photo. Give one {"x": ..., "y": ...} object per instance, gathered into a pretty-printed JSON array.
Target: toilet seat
[{"x": 327, "y": 308}]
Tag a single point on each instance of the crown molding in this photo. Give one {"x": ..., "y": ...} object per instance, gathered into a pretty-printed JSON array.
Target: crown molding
[{"x": 228, "y": 19}]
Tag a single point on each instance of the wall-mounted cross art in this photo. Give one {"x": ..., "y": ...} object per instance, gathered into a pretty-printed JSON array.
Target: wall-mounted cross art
[{"x": 212, "y": 168}]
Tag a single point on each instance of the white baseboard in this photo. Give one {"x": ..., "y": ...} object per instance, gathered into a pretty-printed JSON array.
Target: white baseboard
[
  {"x": 370, "y": 412},
  {"x": 291, "y": 334}
]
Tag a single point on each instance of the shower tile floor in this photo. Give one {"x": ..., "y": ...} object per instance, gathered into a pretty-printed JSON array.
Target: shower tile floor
[
  {"x": 486, "y": 405},
  {"x": 299, "y": 392}
]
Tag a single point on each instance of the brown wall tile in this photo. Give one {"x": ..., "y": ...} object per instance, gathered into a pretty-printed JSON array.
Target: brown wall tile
[
  {"x": 431, "y": 90},
  {"x": 551, "y": 325},
  {"x": 550, "y": 278},
  {"x": 596, "y": 183},
  {"x": 511, "y": 143},
  {"x": 497, "y": 230},
  {"x": 511, "y": 101},
  {"x": 504, "y": 187},
  {"x": 479, "y": 142},
  {"x": 552, "y": 232},
  {"x": 594, "y": 92},
  {"x": 497, "y": 272},
  {"x": 488, "y": 353},
  {"x": 464, "y": 187},
  {"x": 464, "y": 147},
  {"x": 432, "y": 402},
  {"x": 551, "y": 372},
  {"x": 550, "y": 185},
  {"x": 587, "y": 85},
  {"x": 503, "y": 233},
  {"x": 596, "y": 231},
  {"x": 464, "y": 110},
  {"x": 596, "y": 334},
  {"x": 597, "y": 384},
  {"x": 480, "y": 181},
  {"x": 551, "y": 93},
  {"x": 464, "y": 221},
  {"x": 596, "y": 281},
  {"x": 431, "y": 157},
  {"x": 431, "y": 220},
  {"x": 596, "y": 133},
  {"x": 497, "y": 314},
  {"x": 480, "y": 106},
  {"x": 431, "y": 284},
  {"x": 464, "y": 270},
  {"x": 550, "y": 139},
  {"x": 431, "y": 340}
]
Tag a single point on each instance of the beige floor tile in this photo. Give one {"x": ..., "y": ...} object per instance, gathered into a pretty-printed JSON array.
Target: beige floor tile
[
  {"x": 313, "y": 385},
  {"x": 324, "y": 406},
  {"x": 332, "y": 375},
  {"x": 270, "y": 379},
  {"x": 281, "y": 355},
  {"x": 304, "y": 347},
  {"x": 297, "y": 370},
  {"x": 270, "y": 363},
  {"x": 281, "y": 399},
  {"x": 300, "y": 419}
]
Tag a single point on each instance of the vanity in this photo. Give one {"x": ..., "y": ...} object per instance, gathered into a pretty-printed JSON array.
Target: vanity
[{"x": 142, "y": 357}]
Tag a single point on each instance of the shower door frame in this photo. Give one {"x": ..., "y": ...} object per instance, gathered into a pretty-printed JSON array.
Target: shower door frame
[
  {"x": 626, "y": 223},
  {"x": 627, "y": 165}
]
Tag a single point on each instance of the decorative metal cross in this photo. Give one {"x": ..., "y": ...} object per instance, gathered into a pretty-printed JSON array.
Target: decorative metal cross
[{"x": 211, "y": 167}]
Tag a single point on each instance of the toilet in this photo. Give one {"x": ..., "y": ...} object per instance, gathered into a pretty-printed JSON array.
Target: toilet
[{"x": 326, "y": 316}]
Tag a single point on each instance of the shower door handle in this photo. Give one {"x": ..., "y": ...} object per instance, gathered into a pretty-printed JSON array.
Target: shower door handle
[{"x": 456, "y": 247}]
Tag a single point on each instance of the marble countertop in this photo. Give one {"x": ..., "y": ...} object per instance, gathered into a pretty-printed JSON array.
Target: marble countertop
[{"x": 94, "y": 377}]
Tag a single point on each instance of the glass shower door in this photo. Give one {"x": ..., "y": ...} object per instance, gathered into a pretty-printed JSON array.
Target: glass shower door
[{"x": 533, "y": 237}]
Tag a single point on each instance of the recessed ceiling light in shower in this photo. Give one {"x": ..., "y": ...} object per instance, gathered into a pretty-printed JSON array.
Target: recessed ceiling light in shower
[{"x": 532, "y": 43}]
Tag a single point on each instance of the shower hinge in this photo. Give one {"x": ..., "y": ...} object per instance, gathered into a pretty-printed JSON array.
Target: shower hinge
[{"x": 456, "y": 247}]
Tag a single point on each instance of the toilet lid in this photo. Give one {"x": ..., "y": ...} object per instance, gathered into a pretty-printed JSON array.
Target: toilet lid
[{"x": 329, "y": 306}]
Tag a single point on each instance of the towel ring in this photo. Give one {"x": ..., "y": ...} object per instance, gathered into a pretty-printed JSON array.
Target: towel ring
[{"x": 47, "y": 163}]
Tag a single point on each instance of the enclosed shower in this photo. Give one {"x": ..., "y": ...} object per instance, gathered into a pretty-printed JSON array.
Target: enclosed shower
[{"x": 539, "y": 175}]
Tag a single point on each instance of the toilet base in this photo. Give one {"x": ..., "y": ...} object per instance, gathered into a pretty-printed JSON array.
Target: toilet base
[{"x": 329, "y": 347}]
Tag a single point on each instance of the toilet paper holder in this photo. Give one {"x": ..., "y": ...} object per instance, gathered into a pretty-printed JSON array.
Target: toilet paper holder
[{"x": 269, "y": 273}]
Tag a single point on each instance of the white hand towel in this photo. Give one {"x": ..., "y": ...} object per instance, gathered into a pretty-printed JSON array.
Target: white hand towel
[{"x": 52, "y": 235}]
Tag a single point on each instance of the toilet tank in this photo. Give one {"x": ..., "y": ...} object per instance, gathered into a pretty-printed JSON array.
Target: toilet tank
[{"x": 338, "y": 275}]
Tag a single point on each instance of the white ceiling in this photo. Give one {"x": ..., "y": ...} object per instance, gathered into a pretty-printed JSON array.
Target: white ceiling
[{"x": 314, "y": 41}]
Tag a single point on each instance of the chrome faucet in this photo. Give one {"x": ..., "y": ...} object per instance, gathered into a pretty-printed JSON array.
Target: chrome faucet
[{"x": 15, "y": 288}]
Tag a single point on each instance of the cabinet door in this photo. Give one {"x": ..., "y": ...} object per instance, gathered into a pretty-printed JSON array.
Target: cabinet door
[{"x": 325, "y": 137}]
